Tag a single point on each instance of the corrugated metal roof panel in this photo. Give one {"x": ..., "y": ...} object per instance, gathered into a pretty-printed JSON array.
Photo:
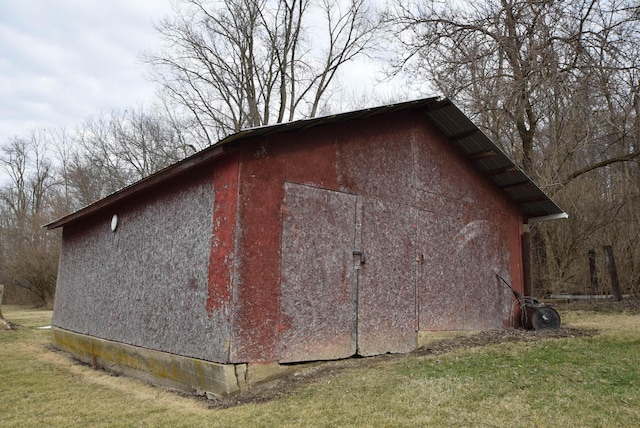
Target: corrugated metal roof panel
[
  {"x": 491, "y": 161},
  {"x": 509, "y": 179},
  {"x": 450, "y": 120}
]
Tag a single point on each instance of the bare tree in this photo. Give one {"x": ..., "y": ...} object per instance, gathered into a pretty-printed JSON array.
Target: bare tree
[
  {"x": 246, "y": 63},
  {"x": 108, "y": 152},
  {"x": 522, "y": 68},
  {"x": 4, "y": 324},
  {"x": 50, "y": 174},
  {"x": 556, "y": 84},
  {"x": 30, "y": 254}
]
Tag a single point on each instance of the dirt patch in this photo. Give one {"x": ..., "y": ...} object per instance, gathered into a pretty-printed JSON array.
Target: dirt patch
[
  {"x": 288, "y": 385},
  {"x": 502, "y": 336}
]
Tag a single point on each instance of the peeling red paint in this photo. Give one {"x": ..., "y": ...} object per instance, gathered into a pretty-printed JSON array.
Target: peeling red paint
[
  {"x": 258, "y": 284},
  {"x": 313, "y": 160},
  {"x": 376, "y": 159},
  {"x": 221, "y": 258}
]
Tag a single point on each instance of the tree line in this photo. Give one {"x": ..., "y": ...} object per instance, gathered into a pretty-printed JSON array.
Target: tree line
[{"x": 555, "y": 83}]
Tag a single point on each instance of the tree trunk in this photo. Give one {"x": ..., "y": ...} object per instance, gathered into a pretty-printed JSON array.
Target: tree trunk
[
  {"x": 4, "y": 324},
  {"x": 613, "y": 272},
  {"x": 593, "y": 272}
]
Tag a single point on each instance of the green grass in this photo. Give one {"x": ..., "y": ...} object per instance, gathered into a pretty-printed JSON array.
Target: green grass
[{"x": 582, "y": 381}]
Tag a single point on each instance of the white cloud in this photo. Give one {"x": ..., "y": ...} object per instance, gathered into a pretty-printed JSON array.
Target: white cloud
[{"x": 63, "y": 60}]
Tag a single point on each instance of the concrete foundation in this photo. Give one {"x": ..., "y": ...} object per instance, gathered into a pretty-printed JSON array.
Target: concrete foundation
[{"x": 190, "y": 375}]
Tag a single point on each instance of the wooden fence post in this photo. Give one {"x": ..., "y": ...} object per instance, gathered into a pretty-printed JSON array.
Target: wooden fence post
[
  {"x": 593, "y": 272},
  {"x": 613, "y": 272}
]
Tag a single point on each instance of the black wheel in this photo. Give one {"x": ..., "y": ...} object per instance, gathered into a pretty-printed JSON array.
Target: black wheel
[{"x": 544, "y": 318}]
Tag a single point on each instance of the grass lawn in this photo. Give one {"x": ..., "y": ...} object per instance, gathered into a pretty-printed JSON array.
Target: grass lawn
[{"x": 576, "y": 381}]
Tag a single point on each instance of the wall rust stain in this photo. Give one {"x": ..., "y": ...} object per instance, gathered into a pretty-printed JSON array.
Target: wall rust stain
[
  {"x": 257, "y": 298},
  {"x": 311, "y": 159},
  {"x": 221, "y": 259}
]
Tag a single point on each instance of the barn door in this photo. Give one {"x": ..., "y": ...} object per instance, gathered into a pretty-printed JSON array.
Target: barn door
[
  {"x": 348, "y": 276},
  {"x": 387, "y": 279},
  {"x": 318, "y": 297}
]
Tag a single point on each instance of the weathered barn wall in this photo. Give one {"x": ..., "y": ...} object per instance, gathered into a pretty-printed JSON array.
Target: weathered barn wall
[
  {"x": 147, "y": 283},
  {"x": 366, "y": 233},
  {"x": 387, "y": 286},
  {"x": 300, "y": 246},
  {"x": 288, "y": 244}
]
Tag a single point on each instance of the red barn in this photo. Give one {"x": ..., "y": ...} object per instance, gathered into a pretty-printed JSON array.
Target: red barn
[{"x": 354, "y": 234}]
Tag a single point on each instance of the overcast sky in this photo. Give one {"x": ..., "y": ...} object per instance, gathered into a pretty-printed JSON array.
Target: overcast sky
[{"x": 64, "y": 60}]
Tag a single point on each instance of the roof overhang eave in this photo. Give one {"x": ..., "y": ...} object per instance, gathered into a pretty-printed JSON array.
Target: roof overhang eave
[{"x": 556, "y": 216}]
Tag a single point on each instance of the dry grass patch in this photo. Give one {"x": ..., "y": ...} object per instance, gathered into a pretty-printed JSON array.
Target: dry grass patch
[
  {"x": 618, "y": 325},
  {"x": 25, "y": 316}
]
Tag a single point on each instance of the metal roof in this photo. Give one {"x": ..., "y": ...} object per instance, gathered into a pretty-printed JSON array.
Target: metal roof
[
  {"x": 485, "y": 156},
  {"x": 492, "y": 162}
]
